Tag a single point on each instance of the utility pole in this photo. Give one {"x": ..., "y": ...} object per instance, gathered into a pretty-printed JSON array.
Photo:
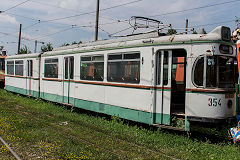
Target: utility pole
[
  {"x": 97, "y": 20},
  {"x": 36, "y": 42},
  {"x": 19, "y": 39},
  {"x": 186, "y": 26},
  {"x": 35, "y": 50}
]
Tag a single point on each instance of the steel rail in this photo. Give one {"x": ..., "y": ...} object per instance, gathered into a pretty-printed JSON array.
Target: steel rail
[{"x": 10, "y": 149}]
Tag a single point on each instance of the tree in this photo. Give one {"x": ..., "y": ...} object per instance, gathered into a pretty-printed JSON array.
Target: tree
[
  {"x": 171, "y": 31},
  {"x": 194, "y": 32},
  {"x": 64, "y": 44},
  {"x": 74, "y": 43},
  {"x": 47, "y": 47},
  {"x": 24, "y": 50},
  {"x": 1, "y": 48}
]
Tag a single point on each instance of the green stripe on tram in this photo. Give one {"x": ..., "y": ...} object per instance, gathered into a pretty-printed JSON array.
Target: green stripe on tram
[{"x": 126, "y": 113}]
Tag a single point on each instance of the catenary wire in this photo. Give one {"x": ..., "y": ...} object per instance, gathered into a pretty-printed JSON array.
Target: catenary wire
[
  {"x": 190, "y": 9},
  {"x": 16, "y": 5}
]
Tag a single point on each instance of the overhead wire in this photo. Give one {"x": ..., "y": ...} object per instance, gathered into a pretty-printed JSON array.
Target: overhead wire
[
  {"x": 38, "y": 38},
  {"x": 51, "y": 20},
  {"x": 56, "y": 19},
  {"x": 209, "y": 24},
  {"x": 15, "y": 6},
  {"x": 77, "y": 15},
  {"x": 190, "y": 9},
  {"x": 72, "y": 10}
]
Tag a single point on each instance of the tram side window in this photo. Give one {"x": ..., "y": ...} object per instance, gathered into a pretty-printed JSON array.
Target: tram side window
[
  {"x": 69, "y": 68},
  {"x": 159, "y": 62},
  {"x": 165, "y": 68},
  {"x": 30, "y": 68},
  {"x": 51, "y": 68},
  {"x": 124, "y": 67},
  {"x": 10, "y": 67},
  {"x": 198, "y": 71},
  {"x": 92, "y": 68},
  {"x": 19, "y": 68}
]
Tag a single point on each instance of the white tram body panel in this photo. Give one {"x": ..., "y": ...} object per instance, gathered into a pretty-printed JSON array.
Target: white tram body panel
[
  {"x": 26, "y": 78},
  {"x": 146, "y": 78}
]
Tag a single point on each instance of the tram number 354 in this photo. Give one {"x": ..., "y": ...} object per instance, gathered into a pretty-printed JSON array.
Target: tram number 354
[{"x": 214, "y": 102}]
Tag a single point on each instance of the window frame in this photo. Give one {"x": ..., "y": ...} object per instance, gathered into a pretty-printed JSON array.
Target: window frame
[
  {"x": 89, "y": 59},
  {"x": 122, "y": 60},
  {"x": 204, "y": 72},
  {"x": 17, "y": 65},
  {"x": 69, "y": 67},
  {"x": 30, "y": 68},
  {"x": 12, "y": 67},
  {"x": 51, "y": 62}
]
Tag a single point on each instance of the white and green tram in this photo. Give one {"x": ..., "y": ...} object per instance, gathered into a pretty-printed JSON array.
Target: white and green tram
[{"x": 148, "y": 78}]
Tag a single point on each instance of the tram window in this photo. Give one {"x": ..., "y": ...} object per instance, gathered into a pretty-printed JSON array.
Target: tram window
[
  {"x": 126, "y": 69},
  {"x": 92, "y": 68},
  {"x": 198, "y": 71},
  {"x": 71, "y": 69},
  {"x": 51, "y": 68},
  {"x": 30, "y": 68},
  {"x": 165, "y": 68},
  {"x": 220, "y": 72},
  {"x": 19, "y": 68},
  {"x": 211, "y": 72},
  {"x": 159, "y": 62},
  {"x": 115, "y": 57},
  {"x": 227, "y": 72},
  {"x": 10, "y": 67}
]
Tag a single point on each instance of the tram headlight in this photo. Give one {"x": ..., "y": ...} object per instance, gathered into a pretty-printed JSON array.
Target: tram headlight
[
  {"x": 229, "y": 104},
  {"x": 226, "y": 49}
]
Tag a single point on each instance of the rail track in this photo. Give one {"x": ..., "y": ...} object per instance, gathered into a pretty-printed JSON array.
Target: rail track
[{"x": 10, "y": 149}]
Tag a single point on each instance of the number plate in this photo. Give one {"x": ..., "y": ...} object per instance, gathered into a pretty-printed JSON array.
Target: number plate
[{"x": 229, "y": 96}]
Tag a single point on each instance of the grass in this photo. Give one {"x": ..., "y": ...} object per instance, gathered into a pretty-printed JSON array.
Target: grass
[{"x": 36, "y": 129}]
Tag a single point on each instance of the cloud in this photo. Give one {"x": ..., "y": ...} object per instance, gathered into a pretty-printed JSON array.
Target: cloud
[
  {"x": 4, "y": 18},
  {"x": 77, "y": 5}
]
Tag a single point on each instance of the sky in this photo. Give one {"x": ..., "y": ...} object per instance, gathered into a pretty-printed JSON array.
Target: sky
[{"x": 65, "y": 21}]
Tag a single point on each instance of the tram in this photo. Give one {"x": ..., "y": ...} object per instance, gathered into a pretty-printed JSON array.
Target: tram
[
  {"x": 149, "y": 78},
  {"x": 2, "y": 69}
]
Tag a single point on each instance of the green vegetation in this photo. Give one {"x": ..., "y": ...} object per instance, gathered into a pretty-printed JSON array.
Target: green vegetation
[
  {"x": 47, "y": 47},
  {"x": 36, "y": 129},
  {"x": 24, "y": 50}
]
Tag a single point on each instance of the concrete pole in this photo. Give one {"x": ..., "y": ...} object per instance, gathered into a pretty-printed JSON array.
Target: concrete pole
[
  {"x": 97, "y": 20},
  {"x": 19, "y": 39},
  {"x": 186, "y": 26}
]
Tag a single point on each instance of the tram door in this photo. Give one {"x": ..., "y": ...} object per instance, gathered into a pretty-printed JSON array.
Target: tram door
[
  {"x": 163, "y": 86},
  {"x": 170, "y": 85},
  {"x": 178, "y": 83},
  {"x": 68, "y": 76},
  {"x": 29, "y": 77}
]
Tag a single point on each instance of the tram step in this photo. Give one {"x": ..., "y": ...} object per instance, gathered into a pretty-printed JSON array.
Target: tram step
[
  {"x": 67, "y": 104},
  {"x": 169, "y": 127}
]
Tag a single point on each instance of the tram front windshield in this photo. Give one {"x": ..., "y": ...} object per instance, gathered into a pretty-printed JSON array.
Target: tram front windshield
[{"x": 221, "y": 72}]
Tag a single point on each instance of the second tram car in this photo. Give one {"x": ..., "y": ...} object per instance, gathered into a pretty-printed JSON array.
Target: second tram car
[
  {"x": 147, "y": 78},
  {"x": 2, "y": 69}
]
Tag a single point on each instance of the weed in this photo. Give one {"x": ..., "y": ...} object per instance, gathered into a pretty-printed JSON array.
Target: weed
[{"x": 32, "y": 127}]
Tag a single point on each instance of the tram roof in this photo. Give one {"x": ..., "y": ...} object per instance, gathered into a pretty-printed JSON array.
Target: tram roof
[
  {"x": 140, "y": 40},
  {"x": 21, "y": 56},
  {"x": 148, "y": 39}
]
